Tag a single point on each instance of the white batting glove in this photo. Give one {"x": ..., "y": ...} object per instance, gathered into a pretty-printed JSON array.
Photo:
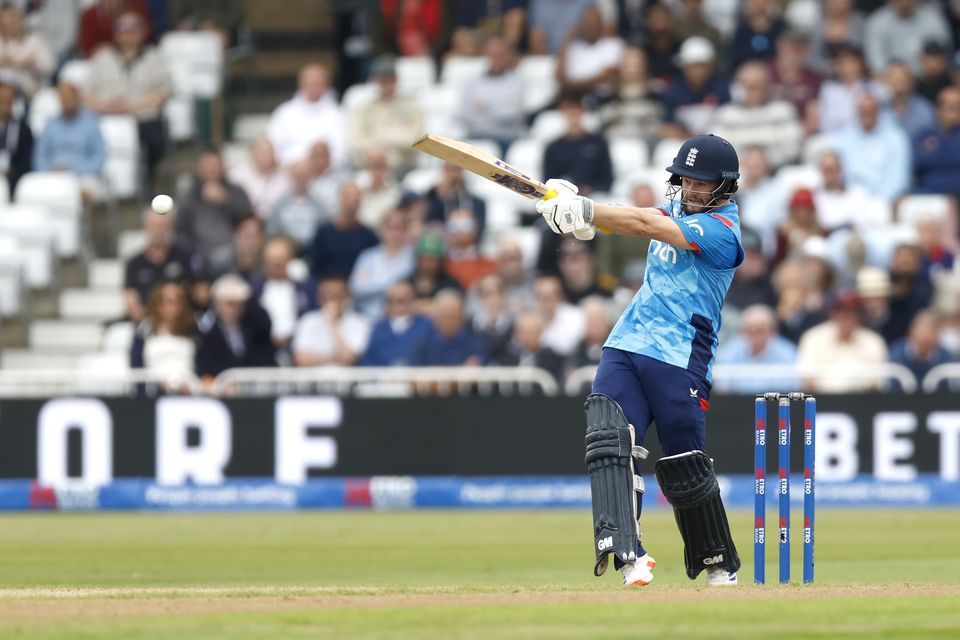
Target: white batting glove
[
  {"x": 567, "y": 212},
  {"x": 562, "y": 187}
]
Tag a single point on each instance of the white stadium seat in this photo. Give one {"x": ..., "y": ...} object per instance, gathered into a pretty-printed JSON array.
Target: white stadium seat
[
  {"x": 815, "y": 145},
  {"x": 195, "y": 60},
  {"x": 118, "y": 337},
  {"x": 178, "y": 112},
  {"x": 458, "y": 70},
  {"x": 251, "y": 126},
  {"x": 235, "y": 154},
  {"x": 76, "y": 72},
  {"x": 31, "y": 228},
  {"x": 538, "y": 95},
  {"x": 628, "y": 155},
  {"x": 44, "y": 107},
  {"x": 11, "y": 276},
  {"x": 550, "y": 125},
  {"x": 440, "y": 100},
  {"x": 793, "y": 177},
  {"x": 122, "y": 170},
  {"x": 914, "y": 208},
  {"x": 526, "y": 155},
  {"x": 421, "y": 180},
  {"x": 538, "y": 68},
  {"x": 503, "y": 214},
  {"x": 664, "y": 152},
  {"x": 415, "y": 73},
  {"x": 59, "y": 194}
]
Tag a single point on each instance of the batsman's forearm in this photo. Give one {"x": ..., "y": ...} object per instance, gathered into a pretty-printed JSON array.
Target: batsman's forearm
[{"x": 629, "y": 221}]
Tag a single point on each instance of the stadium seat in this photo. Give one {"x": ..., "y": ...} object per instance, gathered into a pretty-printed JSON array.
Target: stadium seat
[
  {"x": 11, "y": 276},
  {"x": 628, "y": 155},
  {"x": 914, "y": 208},
  {"x": 249, "y": 127},
  {"x": 815, "y": 145},
  {"x": 59, "y": 194},
  {"x": 803, "y": 15},
  {"x": 503, "y": 215},
  {"x": 440, "y": 100},
  {"x": 118, "y": 337},
  {"x": 526, "y": 154},
  {"x": 122, "y": 170},
  {"x": 235, "y": 154},
  {"x": 792, "y": 177},
  {"x": 195, "y": 60},
  {"x": 420, "y": 180},
  {"x": 178, "y": 112},
  {"x": 34, "y": 234},
  {"x": 550, "y": 125},
  {"x": 358, "y": 95},
  {"x": 538, "y": 68},
  {"x": 664, "y": 152},
  {"x": 4, "y": 192},
  {"x": 722, "y": 13},
  {"x": 76, "y": 72},
  {"x": 655, "y": 177},
  {"x": 538, "y": 95},
  {"x": 458, "y": 70},
  {"x": 415, "y": 73},
  {"x": 44, "y": 106}
]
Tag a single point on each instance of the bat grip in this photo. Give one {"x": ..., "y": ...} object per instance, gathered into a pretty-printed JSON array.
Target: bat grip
[{"x": 550, "y": 194}]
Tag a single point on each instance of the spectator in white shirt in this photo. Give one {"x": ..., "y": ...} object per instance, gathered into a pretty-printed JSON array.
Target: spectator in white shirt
[
  {"x": 588, "y": 64},
  {"x": 311, "y": 115},
  {"x": 334, "y": 334},
  {"x": 840, "y": 204},
  {"x": 299, "y": 214},
  {"x": 24, "y": 57},
  {"x": 284, "y": 299},
  {"x": 326, "y": 179},
  {"x": 262, "y": 178},
  {"x": 379, "y": 267},
  {"x": 381, "y": 191},
  {"x": 565, "y": 323}
]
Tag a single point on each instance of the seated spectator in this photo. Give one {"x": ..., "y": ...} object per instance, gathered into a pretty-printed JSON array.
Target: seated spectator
[
  {"x": 938, "y": 255},
  {"x": 597, "y": 326},
  {"x": 692, "y": 22},
  {"x": 165, "y": 341},
  {"x": 565, "y": 324},
  {"x": 298, "y": 215},
  {"x": 588, "y": 63},
  {"x": 493, "y": 320},
  {"x": 791, "y": 77},
  {"x": 98, "y": 23},
  {"x": 235, "y": 332},
  {"x": 381, "y": 191},
  {"x": 337, "y": 244},
  {"x": 334, "y": 334},
  {"x": 660, "y": 42},
  {"x": 429, "y": 276},
  {"x": 751, "y": 284},
  {"x": 912, "y": 112},
  {"x": 826, "y": 349},
  {"x": 875, "y": 289},
  {"x": 327, "y": 180},
  {"x": 578, "y": 271},
  {"x": 262, "y": 179},
  {"x": 246, "y": 249},
  {"x": 837, "y": 107},
  {"x": 283, "y": 298},
  {"x": 579, "y": 156},
  {"x": 311, "y": 115},
  {"x": 450, "y": 343},
  {"x": 801, "y": 224},
  {"x": 57, "y": 21},
  {"x": 517, "y": 280},
  {"x": 16, "y": 139},
  {"x": 615, "y": 251},
  {"x": 464, "y": 261},
  {"x": 934, "y": 74},
  {"x": 451, "y": 194},
  {"x": 841, "y": 24},
  {"x": 760, "y": 120},
  {"x": 875, "y": 151},
  {"x": 899, "y": 30},
  {"x": 492, "y": 105},
  {"x": 378, "y": 267},
  {"x": 840, "y": 204},
  {"x": 527, "y": 349},
  {"x": 412, "y": 27},
  {"x": 757, "y": 344},
  {"x": 223, "y": 17},
  {"x": 552, "y": 22},
  {"x": 160, "y": 261},
  {"x": 72, "y": 142},
  {"x": 912, "y": 289},
  {"x": 25, "y": 57},
  {"x": 480, "y": 22},
  {"x": 690, "y": 100},
  {"x": 800, "y": 302},
  {"x": 756, "y": 33},
  {"x": 936, "y": 152},
  {"x": 761, "y": 199},
  {"x": 635, "y": 111},
  {"x": 208, "y": 211},
  {"x": 396, "y": 338},
  {"x": 131, "y": 78},
  {"x": 920, "y": 351}
]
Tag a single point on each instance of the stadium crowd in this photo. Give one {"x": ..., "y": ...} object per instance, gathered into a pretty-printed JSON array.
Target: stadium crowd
[{"x": 318, "y": 251}]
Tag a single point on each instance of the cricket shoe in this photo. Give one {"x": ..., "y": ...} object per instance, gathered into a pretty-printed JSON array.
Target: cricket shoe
[
  {"x": 720, "y": 577},
  {"x": 639, "y": 573}
]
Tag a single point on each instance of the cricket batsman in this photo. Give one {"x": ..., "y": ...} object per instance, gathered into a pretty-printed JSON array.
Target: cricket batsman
[{"x": 656, "y": 364}]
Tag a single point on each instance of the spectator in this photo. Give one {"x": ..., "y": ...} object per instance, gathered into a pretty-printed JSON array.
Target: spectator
[
  {"x": 334, "y": 334},
  {"x": 692, "y": 22},
  {"x": 209, "y": 210},
  {"x": 597, "y": 326},
  {"x": 919, "y": 351},
  {"x": 912, "y": 289},
  {"x": 875, "y": 151},
  {"x": 484, "y": 21},
  {"x": 493, "y": 320},
  {"x": 912, "y": 112},
  {"x": 527, "y": 349},
  {"x": 615, "y": 251},
  {"x": 298, "y": 215},
  {"x": 72, "y": 142},
  {"x": 235, "y": 332},
  {"x": 166, "y": 341},
  {"x": 938, "y": 256},
  {"x": 660, "y": 42},
  {"x": 578, "y": 271},
  {"x": 947, "y": 308},
  {"x": 792, "y": 79},
  {"x": 98, "y": 23},
  {"x": 517, "y": 280},
  {"x": 337, "y": 244},
  {"x": 756, "y": 33},
  {"x": 635, "y": 111},
  {"x": 464, "y": 260},
  {"x": 565, "y": 324},
  {"x": 757, "y": 344},
  {"x": 751, "y": 282},
  {"x": 588, "y": 62},
  {"x": 380, "y": 266},
  {"x": 396, "y": 339},
  {"x": 262, "y": 179},
  {"x": 450, "y": 343},
  {"x": 25, "y": 57},
  {"x": 800, "y": 301},
  {"x": 283, "y": 298},
  {"x": 327, "y": 180},
  {"x": 579, "y": 156},
  {"x": 451, "y": 194},
  {"x": 689, "y": 101},
  {"x": 840, "y": 204},
  {"x": 16, "y": 139},
  {"x": 936, "y": 152},
  {"x": 934, "y": 74},
  {"x": 413, "y": 27},
  {"x": 899, "y": 30},
  {"x": 246, "y": 250},
  {"x": 429, "y": 276},
  {"x": 875, "y": 289},
  {"x": 837, "y": 107},
  {"x": 761, "y": 199},
  {"x": 758, "y": 119},
  {"x": 311, "y": 115},
  {"x": 390, "y": 122},
  {"x": 842, "y": 24},
  {"x": 57, "y": 21},
  {"x": 828, "y": 348},
  {"x": 801, "y": 225},
  {"x": 131, "y": 78},
  {"x": 160, "y": 261},
  {"x": 223, "y": 17},
  {"x": 492, "y": 106},
  {"x": 381, "y": 191},
  {"x": 552, "y": 22}
]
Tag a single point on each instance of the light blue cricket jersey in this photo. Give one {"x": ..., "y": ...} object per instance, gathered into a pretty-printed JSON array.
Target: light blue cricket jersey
[{"x": 675, "y": 315}]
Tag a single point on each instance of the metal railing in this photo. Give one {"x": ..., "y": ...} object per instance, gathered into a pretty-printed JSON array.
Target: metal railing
[
  {"x": 34, "y": 383},
  {"x": 949, "y": 372}
]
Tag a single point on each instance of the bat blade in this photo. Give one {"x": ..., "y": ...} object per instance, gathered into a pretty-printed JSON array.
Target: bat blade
[{"x": 474, "y": 160}]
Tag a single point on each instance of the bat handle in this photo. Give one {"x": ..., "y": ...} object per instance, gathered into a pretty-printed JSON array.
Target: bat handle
[{"x": 550, "y": 194}]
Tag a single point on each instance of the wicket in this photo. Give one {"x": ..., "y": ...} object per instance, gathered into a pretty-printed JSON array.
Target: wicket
[{"x": 784, "y": 402}]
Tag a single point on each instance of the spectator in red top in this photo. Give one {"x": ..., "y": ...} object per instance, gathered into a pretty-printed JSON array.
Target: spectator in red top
[
  {"x": 464, "y": 260},
  {"x": 97, "y": 22},
  {"x": 800, "y": 225},
  {"x": 413, "y": 27}
]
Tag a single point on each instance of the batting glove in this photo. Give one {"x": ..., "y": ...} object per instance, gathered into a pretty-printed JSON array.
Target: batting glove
[{"x": 567, "y": 212}]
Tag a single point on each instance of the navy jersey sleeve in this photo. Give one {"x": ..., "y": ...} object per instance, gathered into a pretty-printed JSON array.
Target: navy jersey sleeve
[{"x": 713, "y": 238}]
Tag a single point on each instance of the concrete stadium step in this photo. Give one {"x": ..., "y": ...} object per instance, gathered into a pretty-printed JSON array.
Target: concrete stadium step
[
  {"x": 72, "y": 337},
  {"x": 106, "y": 274},
  {"x": 95, "y": 304},
  {"x": 35, "y": 359}
]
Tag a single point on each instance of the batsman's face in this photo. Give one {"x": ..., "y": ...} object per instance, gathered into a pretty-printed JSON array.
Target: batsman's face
[{"x": 696, "y": 195}]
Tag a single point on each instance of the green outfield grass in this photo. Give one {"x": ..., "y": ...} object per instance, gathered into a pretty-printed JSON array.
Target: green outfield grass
[{"x": 445, "y": 574}]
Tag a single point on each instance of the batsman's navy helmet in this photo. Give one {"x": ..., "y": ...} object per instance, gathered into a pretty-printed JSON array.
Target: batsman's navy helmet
[{"x": 707, "y": 157}]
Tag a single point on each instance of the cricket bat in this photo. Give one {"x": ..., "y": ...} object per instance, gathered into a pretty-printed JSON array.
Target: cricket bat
[{"x": 468, "y": 157}]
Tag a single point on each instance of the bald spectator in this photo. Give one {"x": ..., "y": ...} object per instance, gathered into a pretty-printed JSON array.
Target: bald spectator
[
  {"x": 757, "y": 344},
  {"x": 283, "y": 298},
  {"x": 299, "y": 214},
  {"x": 690, "y": 101},
  {"x": 875, "y": 151},
  {"x": 552, "y": 22},
  {"x": 381, "y": 191},
  {"x": 337, "y": 244},
  {"x": 899, "y": 30},
  {"x": 262, "y": 179},
  {"x": 451, "y": 342},
  {"x": 565, "y": 325},
  {"x": 936, "y": 151},
  {"x": 756, "y": 33},
  {"x": 588, "y": 62},
  {"x": 920, "y": 351},
  {"x": 396, "y": 339},
  {"x": 98, "y": 22},
  {"x": 912, "y": 112},
  {"x": 464, "y": 260},
  {"x": 334, "y": 334},
  {"x": 527, "y": 349},
  {"x": 25, "y": 57},
  {"x": 311, "y": 115},
  {"x": 235, "y": 332},
  {"x": 492, "y": 106},
  {"x": 378, "y": 267}
]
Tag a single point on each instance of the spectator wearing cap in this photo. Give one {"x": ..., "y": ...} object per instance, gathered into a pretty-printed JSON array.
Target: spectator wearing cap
[
  {"x": 899, "y": 30},
  {"x": 451, "y": 194},
  {"x": 578, "y": 271},
  {"x": 492, "y": 105},
  {"x": 464, "y": 261},
  {"x": 936, "y": 151},
  {"x": 390, "y": 122},
  {"x": 800, "y": 225},
  {"x": 565, "y": 323},
  {"x": 826, "y": 349},
  {"x": 311, "y": 115},
  {"x": 690, "y": 100},
  {"x": 913, "y": 112},
  {"x": 920, "y": 351},
  {"x": 692, "y": 22},
  {"x": 842, "y": 23},
  {"x": 429, "y": 275},
  {"x": 479, "y": 22},
  {"x": 757, "y": 344},
  {"x": 334, "y": 334},
  {"x": 875, "y": 289},
  {"x": 492, "y": 319},
  {"x": 397, "y": 337},
  {"x": 283, "y": 298},
  {"x": 262, "y": 179},
  {"x": 837, "y": 107},
  {"x": 25, "y": 57},
  {"x": 235, "y": 332},
  {"x": 16, "y": 139},
  {"x": 791, "y": 77},
  {"x": 934, "y": 73},
  {"x": 588, "y": 62},
  {"x": 751, "y": 282},
  {"x": 527, "y": 349},
  {"x": 875, "y": 151},
  {"x": 552, "y": 22},
  {"x": 578, "y": 155},
  {"x": 450, "y": 343},
  {"x": 378, "y": 267},
  {"x": 380, "y": 190},
  {"x": 337, "y": 244},
  {"x": 756, "y": 33}
]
